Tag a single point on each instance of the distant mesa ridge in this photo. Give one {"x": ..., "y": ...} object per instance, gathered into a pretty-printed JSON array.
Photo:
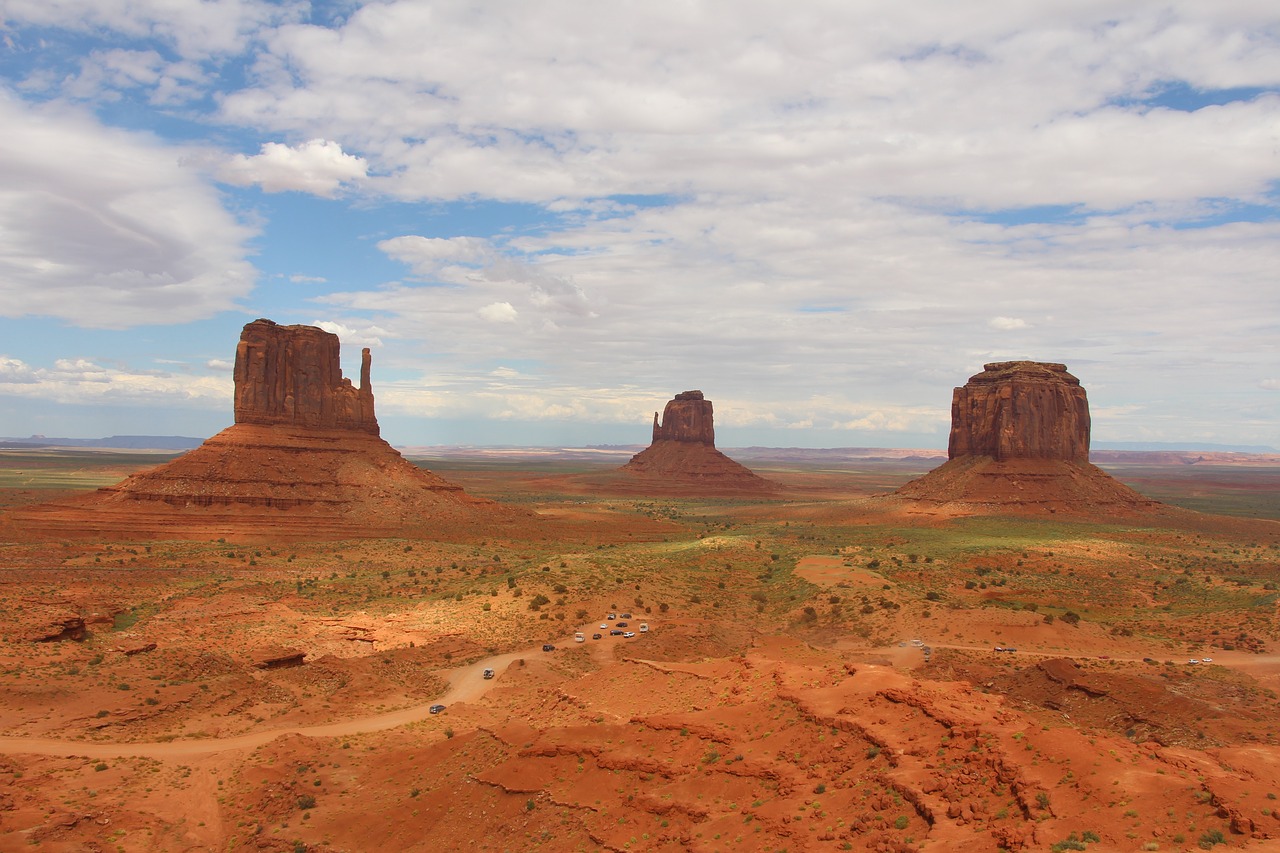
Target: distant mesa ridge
[
  {"x": 303, "y": 460},
  {"x": 1019, "y": 443}
]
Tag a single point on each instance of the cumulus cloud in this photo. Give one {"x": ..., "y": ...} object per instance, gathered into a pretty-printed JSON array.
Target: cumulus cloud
[
  {"x": 356, "y": 336},
  {"x": 106, "y": 228},
  {"x": 81, "y": 381},
  {"x": 318, "y": 166},
  {"x": 499, "y": 312},
  {"x": 427, "y": 256}
]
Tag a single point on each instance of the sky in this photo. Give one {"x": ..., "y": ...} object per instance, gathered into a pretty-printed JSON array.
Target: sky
[{"x": 546, "y": 218}]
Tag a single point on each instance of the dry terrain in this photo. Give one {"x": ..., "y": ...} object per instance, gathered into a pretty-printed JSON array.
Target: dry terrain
[{"x": 817, "y": 674}]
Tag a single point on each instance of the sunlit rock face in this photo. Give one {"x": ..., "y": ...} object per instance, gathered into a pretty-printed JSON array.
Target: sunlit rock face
[
  {"x": 1019, "y": 445},
  {"x": 303, "y": 460},
  {"x": 291, "y": 375},
  {"x": 1020, "y": 410}
]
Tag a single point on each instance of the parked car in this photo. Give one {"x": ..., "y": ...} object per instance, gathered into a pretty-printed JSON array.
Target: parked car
[
  {"x": 488, "y": 673},
  {"x": 436, "y": 709},
  {"x": 622, "y": 624},
  {"x": 1206, "y": 660},
  {"x": 616, "y": 633},
  {"x": 644, "y": 627},
  {"x": 547, "y": 647},
  {"x": 579, "y": 637},
  {"x": 596, "y": 636},
  {"x": 604, "y": 627},
  {"x": 626, "y": 616},
  {"x": 612, "y": 616},
  {"x": 629, "y": 634}
]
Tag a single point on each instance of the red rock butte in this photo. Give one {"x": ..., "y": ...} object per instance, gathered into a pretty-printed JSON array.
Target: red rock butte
[
  {"x": 303, "y": 461},
  {"x": 683, "y": 455},
  {"x": 1020, "y": 444}
]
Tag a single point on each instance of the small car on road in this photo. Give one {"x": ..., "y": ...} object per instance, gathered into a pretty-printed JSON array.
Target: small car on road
[
  {"x": 488, "y": 673},
  {"x": 436, "y": 709},
  {"x": 547, "y": 647}
]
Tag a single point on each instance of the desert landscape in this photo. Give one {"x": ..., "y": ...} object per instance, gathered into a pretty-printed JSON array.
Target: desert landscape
[{"x": 259, "y": 645}]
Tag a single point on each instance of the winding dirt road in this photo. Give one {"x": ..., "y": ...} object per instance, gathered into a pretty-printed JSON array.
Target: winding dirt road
[{"x": 466, "y": 684}]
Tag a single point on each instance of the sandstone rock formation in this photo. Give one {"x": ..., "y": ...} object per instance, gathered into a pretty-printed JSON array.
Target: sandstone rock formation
[
  {"x": 303, "y": 460},
  {"x": 291, "y": 375},
  {"x": 688, "y": 417},
  {"x": 1020, "y": 410},
  {"x": 683, "y": 455},
  {"x": 1020, "y": 443}
]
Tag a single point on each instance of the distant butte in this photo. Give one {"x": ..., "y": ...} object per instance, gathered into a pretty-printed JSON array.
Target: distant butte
[
  {"x": 683, "y": 455},
  {"x": 1020, "y": 444},
  {"x": 303, "y": 460}
]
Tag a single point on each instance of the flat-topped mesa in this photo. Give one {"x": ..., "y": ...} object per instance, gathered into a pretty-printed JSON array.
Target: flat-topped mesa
[
  {"x": 1020, "y": 410},
  {"x": 686, "y": 418},
  {"x": 291, "y": 375}
]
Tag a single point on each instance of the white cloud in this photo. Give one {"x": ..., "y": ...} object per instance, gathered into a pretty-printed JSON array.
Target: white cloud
[
  {"x": 355, "y": 336},
  {"x": 1007, "y": 323},
  {"x": 1270, "y": 384},
  {"x": 14, "y": 371},
  {"x": 308, "y": 279},
  {"x": 106, "y": 228},
  {"x": 82, "y": 382},
  {"x": 499, "y": 312},
  {"x": 429, "y": 255},
  {"x": 318, "y": 166}
]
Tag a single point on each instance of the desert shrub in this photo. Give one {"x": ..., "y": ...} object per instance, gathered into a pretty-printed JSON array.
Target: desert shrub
[
  {"x": 933, "y": 596},
  {"x": 1210, "y": 838},
  {"x": 306, "y": 801},
  {"x": 1071, "y": 617}
]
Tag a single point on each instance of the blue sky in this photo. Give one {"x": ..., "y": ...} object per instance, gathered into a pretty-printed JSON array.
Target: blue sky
[{"x": 546, "y": 219}]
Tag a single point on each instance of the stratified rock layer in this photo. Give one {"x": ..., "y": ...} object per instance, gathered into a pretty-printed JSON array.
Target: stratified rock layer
[
  {"x": 303, "y": 461},
  {"x": 683, "y": 455},
  {"x": 1020, "y": 410},
  {"x": 1020, "y": 445}
]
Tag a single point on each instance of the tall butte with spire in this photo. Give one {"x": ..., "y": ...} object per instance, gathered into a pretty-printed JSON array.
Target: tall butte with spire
[
  {"x": 1019, "y": 443},
  {"x": 683, "y": 455},
  {"x": 303, "y": 460}
]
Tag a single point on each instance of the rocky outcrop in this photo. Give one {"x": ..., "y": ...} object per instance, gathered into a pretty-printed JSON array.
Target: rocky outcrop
[
  {"x": 1020, "y": 410},
  {"x": 302, "y": 461},
  {"x": 291, "y": 375},
  {"x": 688, "y": 417},
  {"x": 57, "y": 628},
  {"x": 1019, "y": 444},
  {"x": 683, "y": 456}
]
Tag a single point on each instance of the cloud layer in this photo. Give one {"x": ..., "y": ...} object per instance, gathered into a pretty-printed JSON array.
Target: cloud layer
[{"x": 825, "y": 215}]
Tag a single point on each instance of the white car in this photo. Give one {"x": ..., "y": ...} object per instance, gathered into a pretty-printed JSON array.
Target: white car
[
  {"x": 1194, "y": 660},
  {"x": 604, "y": 627},
  {"x": 629, "y": 634},
  {"x": 1206, "y": 660}
]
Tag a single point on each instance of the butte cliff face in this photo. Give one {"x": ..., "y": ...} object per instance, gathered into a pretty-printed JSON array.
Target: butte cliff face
[
  {"x": 1020, "y": 444},
  {"x": 302, "y": 461},
  {"x": 688, "y": 417},
  {"x": 291, "y": 375},
  {"x": 683, "y": 455},
  {"x": 1020, "y": 410}
]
